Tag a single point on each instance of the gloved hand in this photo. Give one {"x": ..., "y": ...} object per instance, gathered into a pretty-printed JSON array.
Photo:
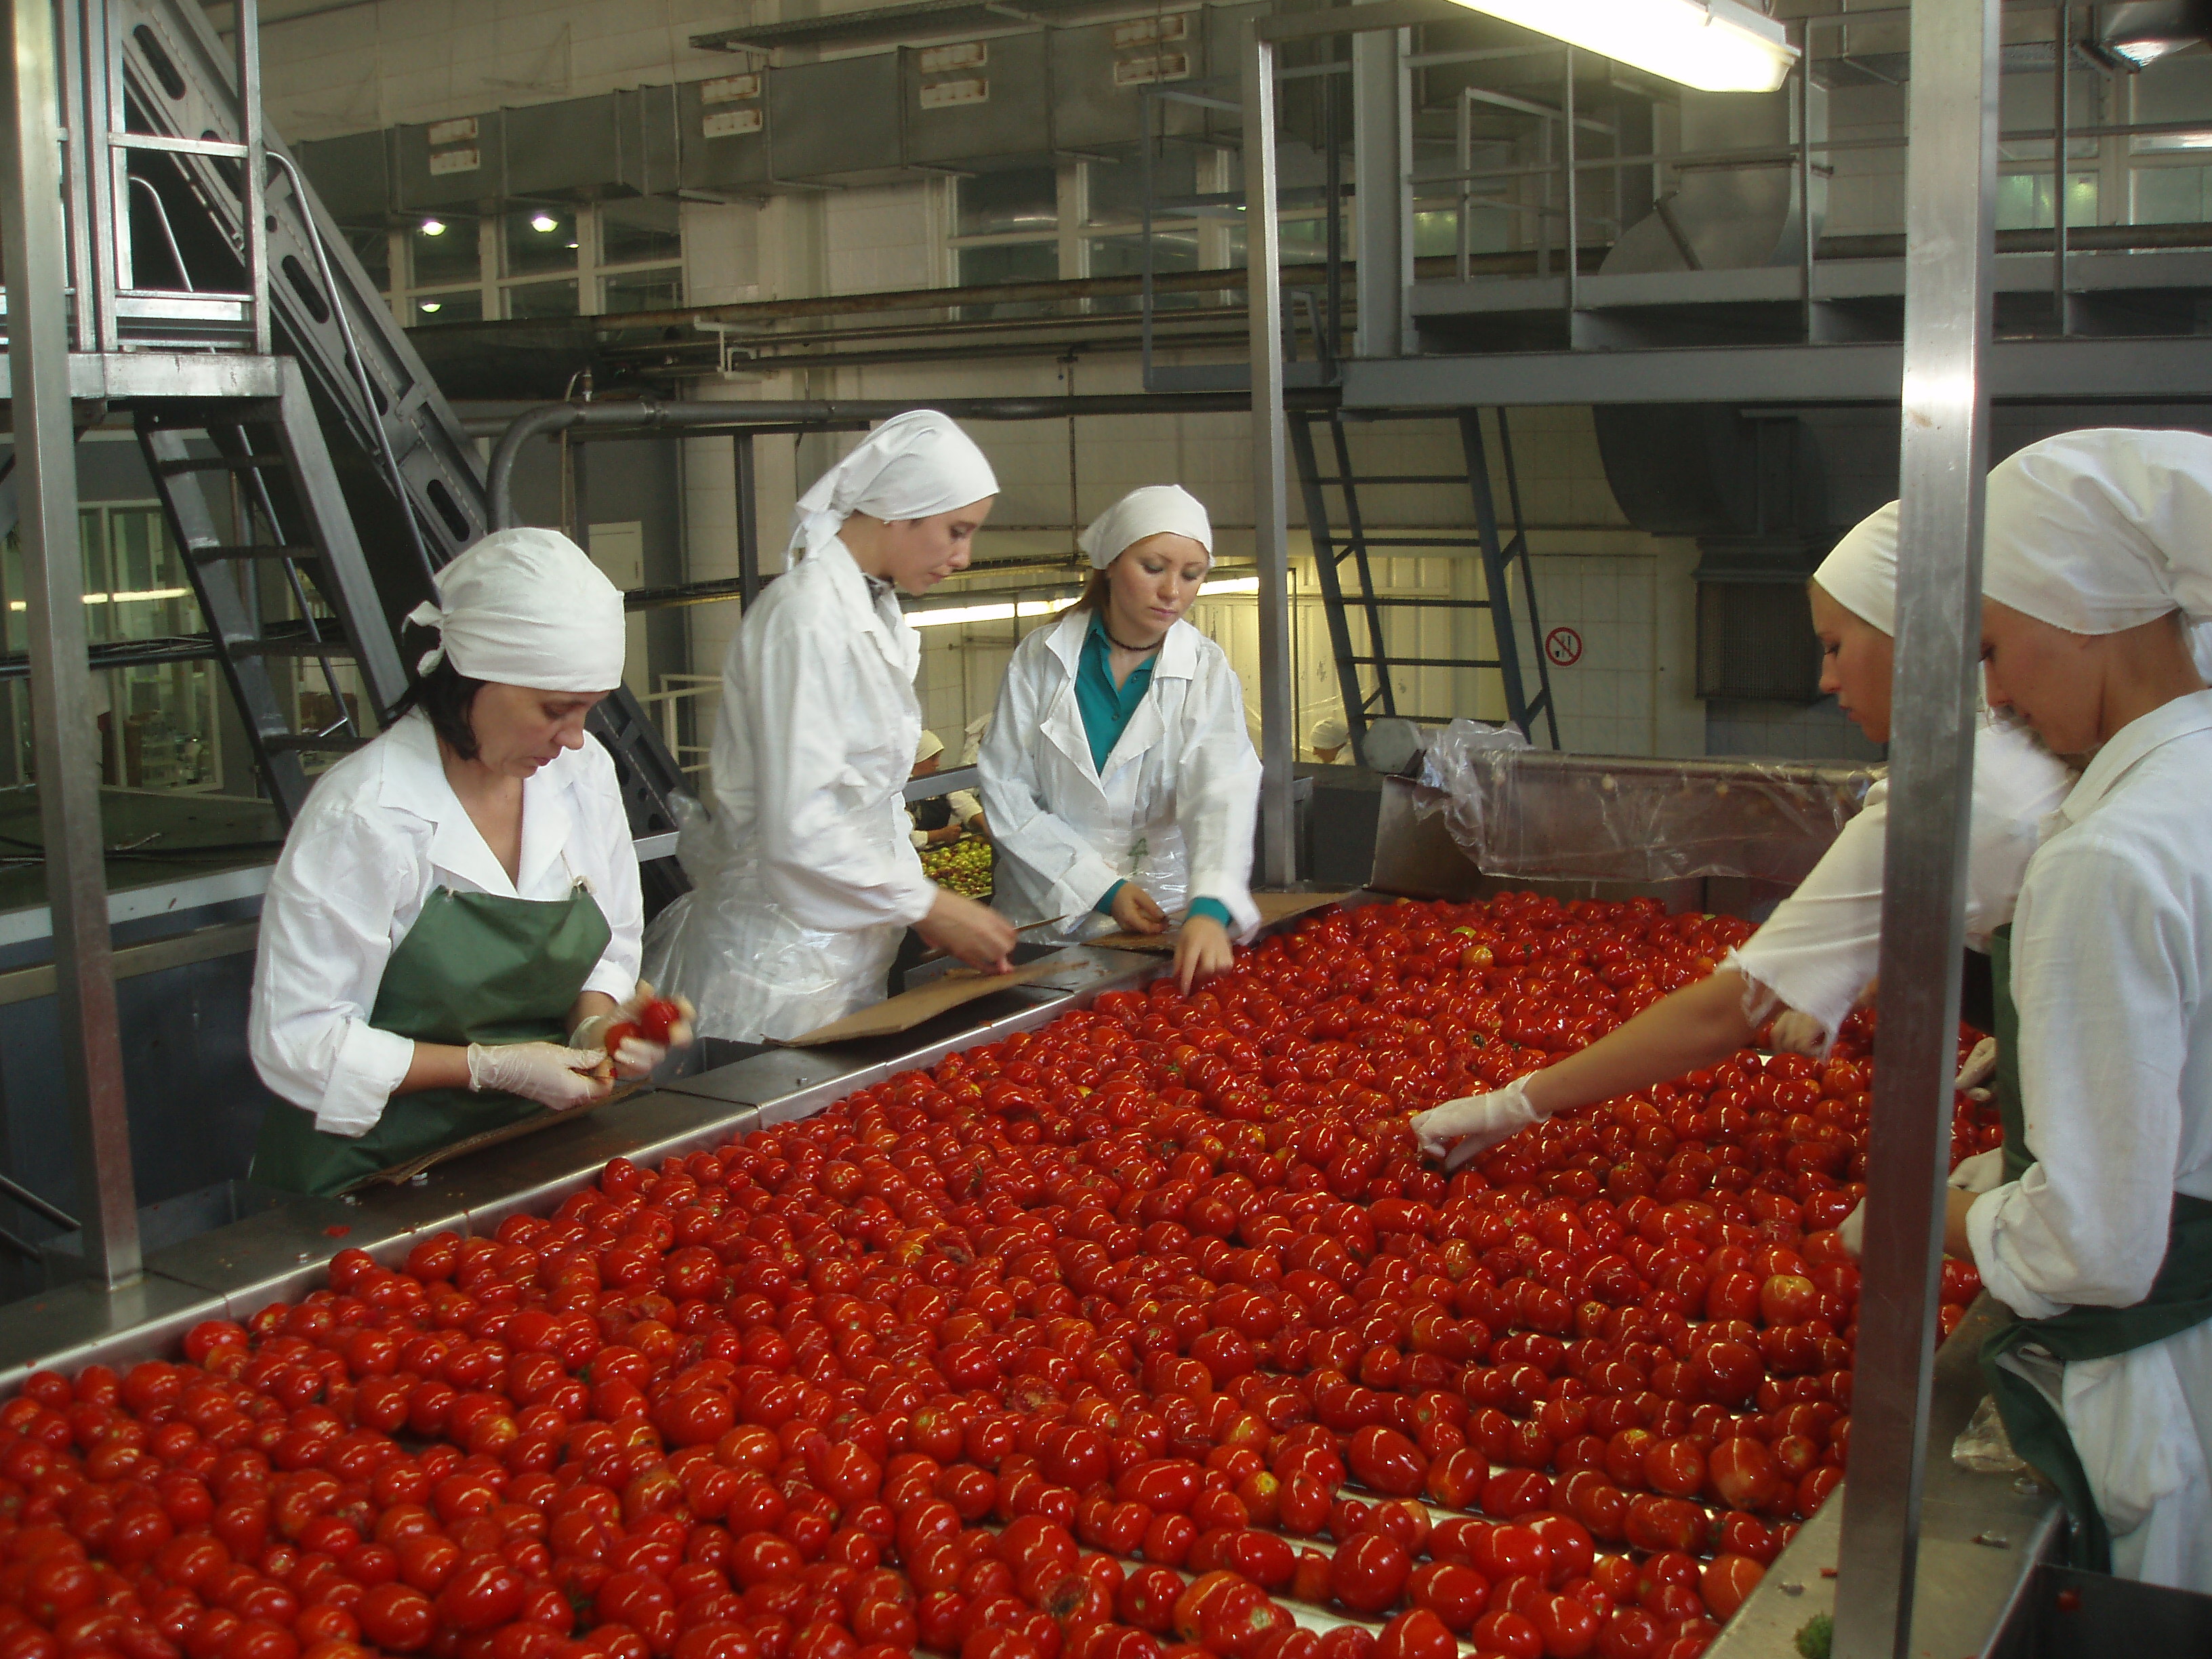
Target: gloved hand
[
  {"x": 1981, "y": 1065},
  {"x": 1460, "y": 1130},
  {"x": 1851, "y": 1231},
  {"x": 1796, "y": 1033},
  {"x": 637, "y": 1056},
  {"x": 546, "y": 1072}
]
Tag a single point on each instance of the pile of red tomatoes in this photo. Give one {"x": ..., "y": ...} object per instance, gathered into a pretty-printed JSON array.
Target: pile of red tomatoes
[{"x": 1145, "y": 1335}]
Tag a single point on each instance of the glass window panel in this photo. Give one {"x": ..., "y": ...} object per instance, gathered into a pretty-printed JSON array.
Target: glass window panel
[
  {"x": 1116, "y": 189},
  {"x": 2167, "y": 196},
  {"x": 374, "y": 249},
  {"x": 444, "y": 251},
  {"x": 461, "y": 306},
  {"x": 631, "y": 232},
  {"x": 1019, "y": 198},
  {"x": 537, "y": 240},
  {"x": 1020, "y": 262},
  {"x": 646, "y": 290},
  {"x": 2024, "y": 200},
  {"x": 542, "y": 299},
  {"x": 1124, "y": 256},
  {"x": 2174, "y": 89}
]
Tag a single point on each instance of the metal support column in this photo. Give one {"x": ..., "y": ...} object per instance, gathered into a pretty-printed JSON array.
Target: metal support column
[
  {"x": 2062, "y": 55},
  {"x": 749, "y": 581},
  {"x": 31, "y": 239},
  {"x": 1382, "y": 196},
  {"x": 1950, "y": 192},
  {"x": 1270, "y": 508}
]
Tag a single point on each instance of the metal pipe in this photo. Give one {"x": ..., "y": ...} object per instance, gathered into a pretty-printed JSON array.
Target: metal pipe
[
  {"x": 2063, "y": 49},
  {"x": 32, "y": 243},
  {"x": 1270, "y": 508},
  {"x": 551, "y": 418},
  {"x": 1572, "y": 242},
  {"x": 1950, "y": 204},
  {"x": 747, "y": 492}
]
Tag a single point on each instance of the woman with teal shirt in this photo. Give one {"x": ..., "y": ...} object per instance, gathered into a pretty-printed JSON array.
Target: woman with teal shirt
[{"x": 1119, "y": 779}]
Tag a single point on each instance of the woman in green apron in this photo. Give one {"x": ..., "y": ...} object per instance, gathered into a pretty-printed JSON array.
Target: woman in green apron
[
  {"x": 2097, "y": 563},
  {"x": 453, "y": 928}
]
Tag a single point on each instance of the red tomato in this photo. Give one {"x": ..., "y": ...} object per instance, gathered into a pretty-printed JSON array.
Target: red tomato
[
  {"x": 1726, "y": 1581},
  {"x": 1367, "y": 1574},
  {"x": 1417, "y": 1634}
]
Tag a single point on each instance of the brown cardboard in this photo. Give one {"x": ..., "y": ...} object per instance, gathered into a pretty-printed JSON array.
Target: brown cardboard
[
  {"x": 1272, "y": 907},
  {"x": 910, "y": 1008},
  {"x": 398, "y": 1174}
]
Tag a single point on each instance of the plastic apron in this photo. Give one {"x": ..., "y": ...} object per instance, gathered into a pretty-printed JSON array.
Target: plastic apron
[
  {"x": 474, "y": 968},
  {"x": 2181, "y": 1297}
]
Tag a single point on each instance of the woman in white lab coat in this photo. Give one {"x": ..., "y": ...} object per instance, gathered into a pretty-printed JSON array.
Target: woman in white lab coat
[
  {"x": 2099, "y": 551},
  {"x": 1808, "y": 965},
  {"x": 452, "y": 929},
  {"x": 1118, "y": 777},
  {"x": 805, "y": 877}
]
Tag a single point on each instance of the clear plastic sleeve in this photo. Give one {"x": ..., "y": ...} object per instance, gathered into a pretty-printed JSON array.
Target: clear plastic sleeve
[{"x": 1532, "y": 814}]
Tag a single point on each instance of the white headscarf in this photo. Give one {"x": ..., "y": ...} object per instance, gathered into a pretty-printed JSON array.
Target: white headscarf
[
  {"x": 2102, "y": 530},
  {"x": 914, "y": 465},
  {"x": 527, "y": 607},
  {"x": 1860, "y": 573},
  {"x": 1154, "y": 510},
  {"x": 931, "y": 743}
]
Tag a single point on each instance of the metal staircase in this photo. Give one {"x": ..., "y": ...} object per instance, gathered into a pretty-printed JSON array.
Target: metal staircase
[
  {"x": 214, "y": 295},
  {"x": 1364, "y": 666}
]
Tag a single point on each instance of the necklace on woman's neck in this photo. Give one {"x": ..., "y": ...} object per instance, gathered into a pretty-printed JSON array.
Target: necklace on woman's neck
[{"x": 1121, "y": 645}]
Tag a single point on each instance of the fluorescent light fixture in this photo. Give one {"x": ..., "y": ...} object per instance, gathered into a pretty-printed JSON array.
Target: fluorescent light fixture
[
  {"x": 951, "y": 616},
  {"x": 1714, "y": 46},
  {"x": 1230, "y": 585},
  {"x": 434, "y": 228},
  {"x": 432, "y": 306},
  {"x": 544, "y": 223},
  {"x": 128, "y": 597}
]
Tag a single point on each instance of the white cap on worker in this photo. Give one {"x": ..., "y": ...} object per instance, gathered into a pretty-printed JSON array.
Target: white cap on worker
[
  {"x": 1330, "y": 731},
  {"x": 1860, "y": 573},
  {"x": 914, "y": 465},
  {"x": 1154, "y": 510},
  {"x": 931, "y": 745},
  {"x": 527, "y": 607}
]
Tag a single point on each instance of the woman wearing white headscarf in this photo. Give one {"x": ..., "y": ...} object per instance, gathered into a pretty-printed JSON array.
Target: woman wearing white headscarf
[
  {"x": 2098, "y": 552},
  {"x": 1807, "y": 964},
  {"x": 1118, "y": 776},
  {"x": 453, "y": 928},
  {"x": 805, "y": 878}
]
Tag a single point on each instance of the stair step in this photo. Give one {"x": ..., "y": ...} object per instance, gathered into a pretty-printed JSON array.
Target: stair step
[
  {"x": 211, "y": 554},
  {"x": 222, "y": 464},
  {"x": 294, "y": 646}
]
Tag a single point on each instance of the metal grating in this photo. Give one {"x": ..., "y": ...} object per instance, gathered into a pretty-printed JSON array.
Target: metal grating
[{"x": 1755, "y": 642}]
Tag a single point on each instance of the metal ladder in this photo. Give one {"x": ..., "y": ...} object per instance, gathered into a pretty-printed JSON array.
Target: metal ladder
[
  {"x": 284, "y": 512},
  {"x": 1363, "y": 704},
  {"x": 394, "y": 490}
]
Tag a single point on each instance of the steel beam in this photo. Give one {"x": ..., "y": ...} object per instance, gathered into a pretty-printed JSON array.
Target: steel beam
[
  {"x": 1270, "y": 508},
  {"x": 1381, "y": 191},
  {"x": 66, "y": 742},
  {"x": 1950, "y": 197}
]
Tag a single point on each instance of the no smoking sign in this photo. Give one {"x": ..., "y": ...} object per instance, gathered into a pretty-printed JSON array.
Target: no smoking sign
[{"x": 1564, "y": 646}]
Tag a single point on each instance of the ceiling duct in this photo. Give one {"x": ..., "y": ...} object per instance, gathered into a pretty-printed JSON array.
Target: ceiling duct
[
  {"x": 2136, "y": 34},
  {"x": 1730, "y": 215}
]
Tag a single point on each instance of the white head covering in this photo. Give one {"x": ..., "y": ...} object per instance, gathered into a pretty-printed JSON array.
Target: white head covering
[
  {"x": 1860, "y": 573},
  {"x": 527, "y": 607},
  {"x": 1154, "y": 510},
  {"x": 914, "y": 465},
  {"x": 931, "y": 743},
  {"x": 1330, "y": 731},
  {"x": 2102, "y": 530}
]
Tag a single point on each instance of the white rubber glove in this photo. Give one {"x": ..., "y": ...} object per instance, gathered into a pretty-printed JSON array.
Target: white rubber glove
[
  {"x": 546, "y": 1072},
  {"x": 1851, "y": 1231},
  {"x": 1460, "y": 1130},
  {"x": 1981, "y": 1065},
  {"x": 1796, "y": 1033},
  {"x": 636, "y": 1057}
]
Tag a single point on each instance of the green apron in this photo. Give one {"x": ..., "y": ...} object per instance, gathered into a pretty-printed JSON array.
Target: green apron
[
  {"x": 2181, "y": 1297},
  {"x": 474, "y": 968}
]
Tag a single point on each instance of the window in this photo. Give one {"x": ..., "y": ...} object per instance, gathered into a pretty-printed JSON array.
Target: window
[{"x": 542, "y": 262}]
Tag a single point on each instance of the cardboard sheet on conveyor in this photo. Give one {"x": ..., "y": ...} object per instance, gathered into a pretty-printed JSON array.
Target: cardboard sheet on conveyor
[
  {"x": 1273, "y": 907},
  {"x": 910, "y": 1008},
  {"x": 399, "y": 1174}
]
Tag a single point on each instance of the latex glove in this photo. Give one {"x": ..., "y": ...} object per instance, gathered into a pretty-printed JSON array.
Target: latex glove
[
  {"x": 547, "y": 1073},
  {"x": 1851, "y": 1231},
  {"x": 1460, "y": 1130},
  {"x": 1796, "y": 1033},
  {"x": 635, "y": 1056},
  {"x": 1982, "y": 1173},
  {"x": 1981, "y": 1065}
]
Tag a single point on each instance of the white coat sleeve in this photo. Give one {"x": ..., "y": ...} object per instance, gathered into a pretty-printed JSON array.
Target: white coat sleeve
[
  {"x": 1823, "y": 943},
  {"x": 326, "y": 936},
  {"x": 2104, "y": 971},
  {"x": 612, "y": 858},
  {"x": 830, "y": 855},
  {"x": 1023, "y": 824},
  {"x": 1217, "y": 790}
]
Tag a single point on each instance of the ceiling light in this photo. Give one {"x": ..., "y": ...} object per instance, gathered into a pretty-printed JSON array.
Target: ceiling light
[
  {"x": 430, "y": 305},
  {"x": 544, "y": 224},
  {"x": 1230, "y": 585},
  {"x": 1714, "y": 46},
  {"x": 434, "y": 228}
]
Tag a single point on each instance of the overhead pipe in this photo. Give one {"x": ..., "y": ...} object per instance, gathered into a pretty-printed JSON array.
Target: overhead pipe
[{"x": 652, "y": 414}]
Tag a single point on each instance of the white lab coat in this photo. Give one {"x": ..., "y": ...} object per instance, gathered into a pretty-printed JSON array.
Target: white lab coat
[
  {"x": 2112, "y": 953},
  {"x": 1823, "y": 943},
  {"x": 382, "y": 831},
  {"x": 804, "y": 878},
  {"x": 1173, "y": 810}
]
